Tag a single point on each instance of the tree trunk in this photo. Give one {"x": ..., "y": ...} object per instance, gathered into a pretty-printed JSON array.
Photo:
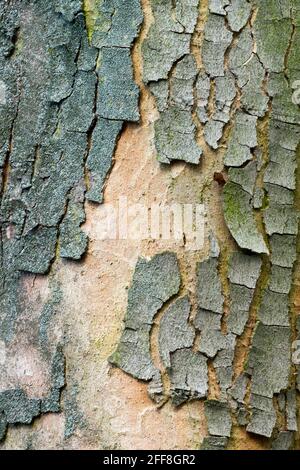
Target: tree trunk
[{"x": 149, "y": 224}]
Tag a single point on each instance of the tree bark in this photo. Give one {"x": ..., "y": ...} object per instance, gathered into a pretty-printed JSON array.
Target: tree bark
[{"x": 150, "y": 196}]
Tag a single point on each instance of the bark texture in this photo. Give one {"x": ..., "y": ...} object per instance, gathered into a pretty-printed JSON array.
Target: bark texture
[{"x": 184, "y": 101}]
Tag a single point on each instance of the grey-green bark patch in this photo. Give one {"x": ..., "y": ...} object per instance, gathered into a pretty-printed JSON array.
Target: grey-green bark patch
[
  {"x": 218, "y": 6},
  {"x": 154, "y": 282},
  {"x": 175, "y": 137},
  {"x": 245, "y": 176},
  {"x": 37, "y": 250},
  {"x": 168, "y": 39},
  {"x": 47, "y": 128},
  {"x": 269, "y": 359},
  {"x": 74, "y": 416},
  {"x": 160, "y": 91},
  {"x": 175, "y": 331},
  {"x": 214, "y": 443},
  {"x": 241, "y": 298},
  {"x": 263, "y": 416},
  {"x": 283, "y": 250},
  {"x": 240, "y": 219},
  {"x": 239, "y": 388},
  {"x": 281, "y": 280},
  {"x": 170, "y": 71},
  {"x": 217, "y": 114},
  {"x": 73, "y": 242},
  {"x": 118, "y": 95},
  {"x": 188, "y": 375},
  {"x": 182, "y": 81},
  {"x": 175, "y": 131},
  {"x": 116, "y": 23},
  {"x": 213, "y": 341},
  {"x": 244, "y": 269},
  {"x": 238, "y": 13},
  {"x": 223, "y": 364},
  {"x": 242, "y": 140},
  {"x": 272, "y": 38},
  {"x": 52, "y": 402},
  {"x": 100, "y": 156},
  {"x": 17, "y": 407},
  {"x": 218, "y": 418},
  {"x": 281, "y": 219},
  {"x": 207, "y": 320},
  {"x": 209, "y": 289},
  {"x": 217, "y": 38},
  {"x": 258, "y": 198},
  {"x": 274, "y": 308}
]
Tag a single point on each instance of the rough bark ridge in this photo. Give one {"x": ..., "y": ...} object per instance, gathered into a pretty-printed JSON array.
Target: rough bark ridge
[{"x": 222, "y": 76}]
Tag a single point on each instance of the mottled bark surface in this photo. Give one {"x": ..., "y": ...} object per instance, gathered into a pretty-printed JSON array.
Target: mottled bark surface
[{"x": 110, "y": 343}]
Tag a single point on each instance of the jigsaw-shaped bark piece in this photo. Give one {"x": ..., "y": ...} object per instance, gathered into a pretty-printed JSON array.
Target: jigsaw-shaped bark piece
[
  {"x": 274, "y": 309},
  {"x": 269, "y": 359},
  {"x": 238, "y": 13},
  {"x": 263, "y": 416},
  {"x": 217, "y": 38},
  {"x": 214, "y": 443},
  {"x": 73, "y": 242},
  {"x": 223, "y": 364},
  {"x": 240, "y": 219},
  {"x": 245, "y": 176},
  {"x": 218, "y": 6},
  {"x": 291, "y": 410},
  {"x": 154, "y": 282},
  {"x": 209, "y": 289},
  {"x": 280, "y": 280},
  {"x": 283, "y": 250},
  {"x": 244, "y": 269},
  {"x": 188, "y": 375},
  {"x": 218, "y": 418},
  {"x": 243, "y": 138},
  {"x": 175, "y": 331},
  {"x": 113, "y": 23},
  {"x": 241, "y": 298},
  {"x": 118, "y": 95},
  {"x": 175, "y": 137},
  {"x": 166, "y": 42},
  {"x": 100, "y": 157},
  {"x": 17, "y": 407}
]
